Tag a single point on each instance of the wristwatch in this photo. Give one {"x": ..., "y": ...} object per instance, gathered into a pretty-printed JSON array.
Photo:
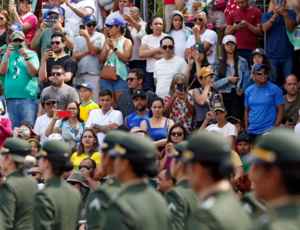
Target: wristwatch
[
  {"x": 27, "y": 59},
  {"x": 115, "y": 49}
]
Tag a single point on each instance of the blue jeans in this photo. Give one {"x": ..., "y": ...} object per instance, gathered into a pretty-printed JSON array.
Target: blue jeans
[
  {"x": 281, "y": 69},
  {"x": 149, "y": 81},
  {"x": 245, "y": 53},
  {"x": 21, "y": 109}
]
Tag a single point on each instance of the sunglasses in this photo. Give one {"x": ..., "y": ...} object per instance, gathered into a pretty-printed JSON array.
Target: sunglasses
[
  {"x": 18, "y": 40},
  {"x": 261, "y": 72},
  {"x": 198, "y": 19},
  {"x": 92, "y": 24},
  {"x": 51, "y": 103},
  {"x": 179, "y": 134},
  {"x": 56, "y": 73},
  {"x": 88, "y": 167},
  {"x": 170, "y": 47},
  {"x": 1, "y": 18},
  {"x": 32, "y": 173},
  {"x": 131, "y": 79},
  {"x": 55, "y": 43},
  {"x": 53, "y": 17}
]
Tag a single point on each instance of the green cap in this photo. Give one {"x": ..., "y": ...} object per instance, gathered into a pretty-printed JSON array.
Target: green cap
[
  {"x": 179, "y": 148},
  {"x": 282, "y": 146},
  {"x": 200, "y": 47},
  {"x": 112, "y": 138},
  {"x": 56, "y": 150},
  {"x": 16, "y": 146},
  {"x": 218, "y": 106},
  {"x": 207, "y": 147}
]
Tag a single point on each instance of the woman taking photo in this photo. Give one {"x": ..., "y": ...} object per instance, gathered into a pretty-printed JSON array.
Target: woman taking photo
[
  {"x": 28, "y": 20},
  {"x": 25, "y": 130},
  {"x": 117, "y": 52},
  {"x": 150, "y": 48},
  {"x": 157, "y": 126},
  {"x": 179, "y": 103},
  {"x": 4, "y": 25},
  {"x": 70, "y": 128},
  {"x": 230, "y": 71}
]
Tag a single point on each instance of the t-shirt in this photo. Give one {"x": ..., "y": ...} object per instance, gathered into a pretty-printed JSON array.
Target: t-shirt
[
  {"x": 18, "y": 82},
  {"x": 137, "y": 40},
  {"x": 278, "y": 43},
  {"x": 113, "y": 15},
  {"x": 208, "y": 36},
  {"x": 236, "y": 161},
  {"x": 40, "y": 127},
  {"x": 228, "y": 130},
  {"x": 63, "y": 95},
  {"x": 96, "y": 156},
  {"x": 32, "y": 20},
  {"x": 180, "y": 42},
  {"x": 152, "y": 43},
  {"x": 133, "y": 120},
  {"x": 169, "y": 2},
  {"x": 89, "y": 64},
  {"x": 164, "y": 71},
  {"x": 262, "y": 102},
  {"x": 244, "y": 37},
  {"x": 85, "y": 109},
  {"x": 291, "y": 109}
]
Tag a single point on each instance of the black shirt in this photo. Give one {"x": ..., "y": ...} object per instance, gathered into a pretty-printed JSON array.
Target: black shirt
[{"x": 3, "y": 39}]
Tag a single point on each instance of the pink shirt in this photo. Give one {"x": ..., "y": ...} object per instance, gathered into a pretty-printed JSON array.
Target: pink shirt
[
  {"x": 31, "y": 19},
  {"x": 5, "y": 130}
]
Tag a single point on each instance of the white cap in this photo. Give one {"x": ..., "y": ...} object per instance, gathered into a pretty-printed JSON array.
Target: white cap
[
  {"x": 55, "y": 136},
  {"x": 229, "y": 38}
]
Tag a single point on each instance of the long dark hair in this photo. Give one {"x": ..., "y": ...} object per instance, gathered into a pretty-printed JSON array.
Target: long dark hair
[
  {"x": 127, "y": 34},
  {"x": 154, "y": 100},
  {"x": 174, "y": 127},
  {"x": 223, "y": 63},
  {"x": 78, "y": 115},
  {"x": 266, "y": 61},
  {"x": 93, "y": 149},
  {"x": 149, "y": 23}
]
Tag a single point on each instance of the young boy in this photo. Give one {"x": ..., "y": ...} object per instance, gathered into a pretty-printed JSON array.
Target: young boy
[{"x": 86, "y": 92}]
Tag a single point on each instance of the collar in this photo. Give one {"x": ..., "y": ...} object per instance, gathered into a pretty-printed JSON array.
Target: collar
[
  {"x": 183, "y": 182},
  {"x": 111, "y": 109},
  {"x": 72, "y": 1},
  {"x": 84, "y": 105},
  {"x": 282, "y": 201},
  {"x": 137, "y": 181},
  {"x": 220, "y": 186},
  {"x": 55, "y": 181},
  {"x": 26, "y": 15},
  {"x": 60, "y": 56},
  {"x": 16, "y": 173}
]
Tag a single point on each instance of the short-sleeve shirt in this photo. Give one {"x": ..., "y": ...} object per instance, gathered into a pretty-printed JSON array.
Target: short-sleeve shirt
[
  {"x": 244, "y": 37},
  {"x": 228, "y": 130},
  {"x": 40, "y": 127},
  {"x": 278, "y": 43},
  {"x": 262, "y": 102},
  {"x": 32, "y": 20},
  {"x": 18, "y": 82},
  {"x": 96, "y": 156},
  {"x": 85, "y": 109}
]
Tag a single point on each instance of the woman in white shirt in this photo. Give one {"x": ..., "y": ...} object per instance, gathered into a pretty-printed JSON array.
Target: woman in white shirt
[{"x": 150, "y": 48}]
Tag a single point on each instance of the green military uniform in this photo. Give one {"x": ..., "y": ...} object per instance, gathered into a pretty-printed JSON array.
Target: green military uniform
[
  {"x": 138, "y": 205},
  {"x": 98, "y": 200},
  {"x": 252, "y": 205},
  {"x": 220, "y": 209},
  {"x": 182, "y": 199},
  {"x": 18, "y": 190},
  {"x": 57, "y": 206}
]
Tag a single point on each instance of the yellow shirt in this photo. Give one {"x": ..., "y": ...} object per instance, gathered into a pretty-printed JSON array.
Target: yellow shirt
[
  {"x": 85, "y": 109},
  {"x": 236, "y": 160},
  {"x": 77, "y": 159}
]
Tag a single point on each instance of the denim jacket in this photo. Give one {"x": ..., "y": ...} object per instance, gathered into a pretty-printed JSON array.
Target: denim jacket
[{"x": 223, "y": 84}]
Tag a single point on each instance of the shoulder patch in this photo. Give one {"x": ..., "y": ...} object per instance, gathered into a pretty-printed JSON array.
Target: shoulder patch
[
  {"x": 209, "y": 202},
  {"x": 95, "y": 204},
  {"x": 172, "y": 207}
]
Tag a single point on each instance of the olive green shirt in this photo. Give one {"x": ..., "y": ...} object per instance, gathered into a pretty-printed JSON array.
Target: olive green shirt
[
  {"x": 182, "y": 200},
  {"x": 57, "y": 206},
  {"x": 16, "y": 201},
  {"x": 97, "y": 203},
  {"x": 252, "y": 205}
]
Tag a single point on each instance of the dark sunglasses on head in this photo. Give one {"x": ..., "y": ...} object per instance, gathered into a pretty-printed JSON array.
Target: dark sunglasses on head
[
  {"x": 56, "y": 73},
  {"x": 51, "y": 103},
  {"x": 261, "y": 72},
  {"x": 131, "y": 79},
  {"x": 92, "y": 24},
  {"x": 179, "y": 134},
  {"x": 198, "y": 19},
  {"x": 165, "y": 47},
  {"x": 18, "y": 40},
  {"x": 56, "y": 43},
  {"x": 32, "y": 173},
  {"x": 53, "y": 17},
  {"x": 88, "y": 167}
]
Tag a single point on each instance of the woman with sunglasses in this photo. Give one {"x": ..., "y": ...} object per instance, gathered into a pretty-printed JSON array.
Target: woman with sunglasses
[
  {"x": 4, "y": 25},
  {"x": 117, "y": 52},
  {"x": 179, "y": 103},
  {"x": 28, "y": 21},
  {"x": 150, "y": 48},
  {"x": 229, "y": 73}
]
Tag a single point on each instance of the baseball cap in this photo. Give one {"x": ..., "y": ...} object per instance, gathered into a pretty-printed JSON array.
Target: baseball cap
[
  {"x": 229, "y": 38},
  {"x": 200, "y": 47},
  {"x": 205, "y": 71},
  {"x": 232, "y": 119},
  {"x": 139, "y": 93},
  {"x": 16, "y": 27},
  {"x": 87, "y": 85},
  {"x": 88, "y": 18},
  {"x": 55, "y": 136},
  {"x": 259, "y": 51},
  {"x": 56, "y": 10},
  {"x": 17, "y": 34},
  {"x": 116, "y": 22},
  {"x": 49, "y": 98},
  {"x": 243, "y": 137},
  {"x": 218, "y": 106},
  {"x": 258, "y": 66}
]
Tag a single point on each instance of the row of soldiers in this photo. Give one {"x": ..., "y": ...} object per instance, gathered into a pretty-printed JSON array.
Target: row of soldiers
[{"x": 201, "y": 199}]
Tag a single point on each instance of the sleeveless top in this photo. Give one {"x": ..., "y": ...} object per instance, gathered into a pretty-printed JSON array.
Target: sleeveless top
[
  {"x": 158, "y": 133},
  {"x": 133, "y": 120}
]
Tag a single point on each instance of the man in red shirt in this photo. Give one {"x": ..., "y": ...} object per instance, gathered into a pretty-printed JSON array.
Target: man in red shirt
[{"x": 244, "y": 24}]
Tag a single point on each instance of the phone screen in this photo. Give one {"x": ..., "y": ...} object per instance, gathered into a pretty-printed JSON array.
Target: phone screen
[
  {"x": 180, "y": 87},
  {"x": 82, "y": 27},
  {"x": 62, "y": 114},
  {"x": 50, "y": 23},
  {"x": 238, "y": 21},
  {"x": 279, "y": 2},
  {"x": 126, "y": 10}
]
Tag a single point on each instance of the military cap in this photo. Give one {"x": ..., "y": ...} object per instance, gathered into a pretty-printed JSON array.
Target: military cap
[
  {"x": 56, "y": 150},
  {"x": 178, "y": 150},
  {"x": 282, "y": 146},
  {"x": 16, "y": 146},
  {"x": 77, "y": 177},
  {"x": 112, "y": 138},
  {"x": 207, "y": 147}
]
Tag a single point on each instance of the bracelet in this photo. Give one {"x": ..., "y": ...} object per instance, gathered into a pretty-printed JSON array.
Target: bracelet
[{"x": 27, "y": 59}]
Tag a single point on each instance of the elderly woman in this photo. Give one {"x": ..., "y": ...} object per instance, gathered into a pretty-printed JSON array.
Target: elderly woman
[{"x": 179, "y": 103}]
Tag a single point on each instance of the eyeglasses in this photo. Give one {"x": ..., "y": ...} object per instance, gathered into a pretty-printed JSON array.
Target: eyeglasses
[
  {"x": 198, "y": 19},
  {"x": 88, "y": 167},
  {"x": 56, "y": 73},
  {"x": 91, "y": 24},
  {"x": 131, "y": 79},
  {"x": 51, "y": 103},
  {"x": 170, "y": 47},
  {"x": 179, "y": 134},
  {"x": 33, "y": 173},
  {"x": 18, "y": 40},
  {"x": 56, "y": 43},
  {"x": 1, "y": 18},
  {"x": 261, "y": 72},
  {"x": 53, "y": 17},
  {"x": 133, "y": 11}
]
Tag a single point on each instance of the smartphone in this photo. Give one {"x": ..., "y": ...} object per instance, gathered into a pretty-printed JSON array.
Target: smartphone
[
  {"x": 50, "y": 23},
  {"x": 180, "y": 87},
  {"x": 279, "y": 2},
  {"x": 49, "y": 47},
  {"x": 237, "y": 21},
  {"x": 126, "y": 10},
  {"x": 45, "y": 7},
  {"x": 24, "y": 131},
  {"x": 82, "y": 27},
  {"x": 62, "y": 114},
  {"x": 17, "y": 47},
  {"x": 193, "y": 48},
  {"x": 290, "y": 120},
  {"x": 11, "y": 2}
]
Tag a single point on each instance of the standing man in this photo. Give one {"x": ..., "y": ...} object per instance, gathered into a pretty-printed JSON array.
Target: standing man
[
  {"x": 21, "y": 88},
  {"x": 86, "y": 52},
  {"x": 244, "y": 24},
  {"x": 280, "y": 50},
  {"x": 167, "y": 67},
  {"x": 264, "y": 103},
  {"x": 18, "y": 190},
  {"x": 165, "y": 181}
]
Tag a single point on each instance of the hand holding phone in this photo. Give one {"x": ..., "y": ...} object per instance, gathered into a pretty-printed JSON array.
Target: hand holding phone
[
  {"x": 82, "y": 27},
  {"x": 237, "y": 22},
  {"x": 63, "y": 114},
  {"x": 126, "y": 10},
  {"x": 180, "y": 87},
  {"x": 17, "y": 47},
  {"x": 290, "y": 120}
]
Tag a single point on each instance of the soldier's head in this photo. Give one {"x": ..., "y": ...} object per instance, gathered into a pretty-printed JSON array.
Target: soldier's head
[
  {"x": 177, "y": 167},
  {"x": 275, "y": 165},
  {"x": 165, "y": 181},
  {"x": 210, "y": 163}
]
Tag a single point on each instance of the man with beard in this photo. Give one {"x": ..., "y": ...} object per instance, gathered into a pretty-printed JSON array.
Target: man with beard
[
  {"x": 63, "y": 92},
  {"x": 142, "y": 113},
  {"x": 244, "y": 146}
]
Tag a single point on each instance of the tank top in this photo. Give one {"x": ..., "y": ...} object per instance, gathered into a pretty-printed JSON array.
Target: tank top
[{"x": 158, "y": 133}]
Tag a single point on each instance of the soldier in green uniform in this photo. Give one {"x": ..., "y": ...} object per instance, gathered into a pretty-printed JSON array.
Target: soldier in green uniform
[
  {"x": 138, "y": 205},
  {"x": 57, "y": 206},
  {"x": 18, "y": 190},
  {"x": 98, "y": 200},
  {"x": 182, "y": 200},
  {"x": 275, "y": 170},
  {"x": 209, "y": 166}
]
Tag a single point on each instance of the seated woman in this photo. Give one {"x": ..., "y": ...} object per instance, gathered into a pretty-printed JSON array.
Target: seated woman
[
  {"x": 25, "y": 130},
  {"x": 157, "y": 126},
  {"x": 35, "y": 146}
]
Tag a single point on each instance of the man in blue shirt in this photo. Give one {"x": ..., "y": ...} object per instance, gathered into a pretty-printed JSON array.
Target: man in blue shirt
[
  {"x": 264, "y": 103},
  {"x": 140, "y": 101},
  {"x": 280, "y": 50}
]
